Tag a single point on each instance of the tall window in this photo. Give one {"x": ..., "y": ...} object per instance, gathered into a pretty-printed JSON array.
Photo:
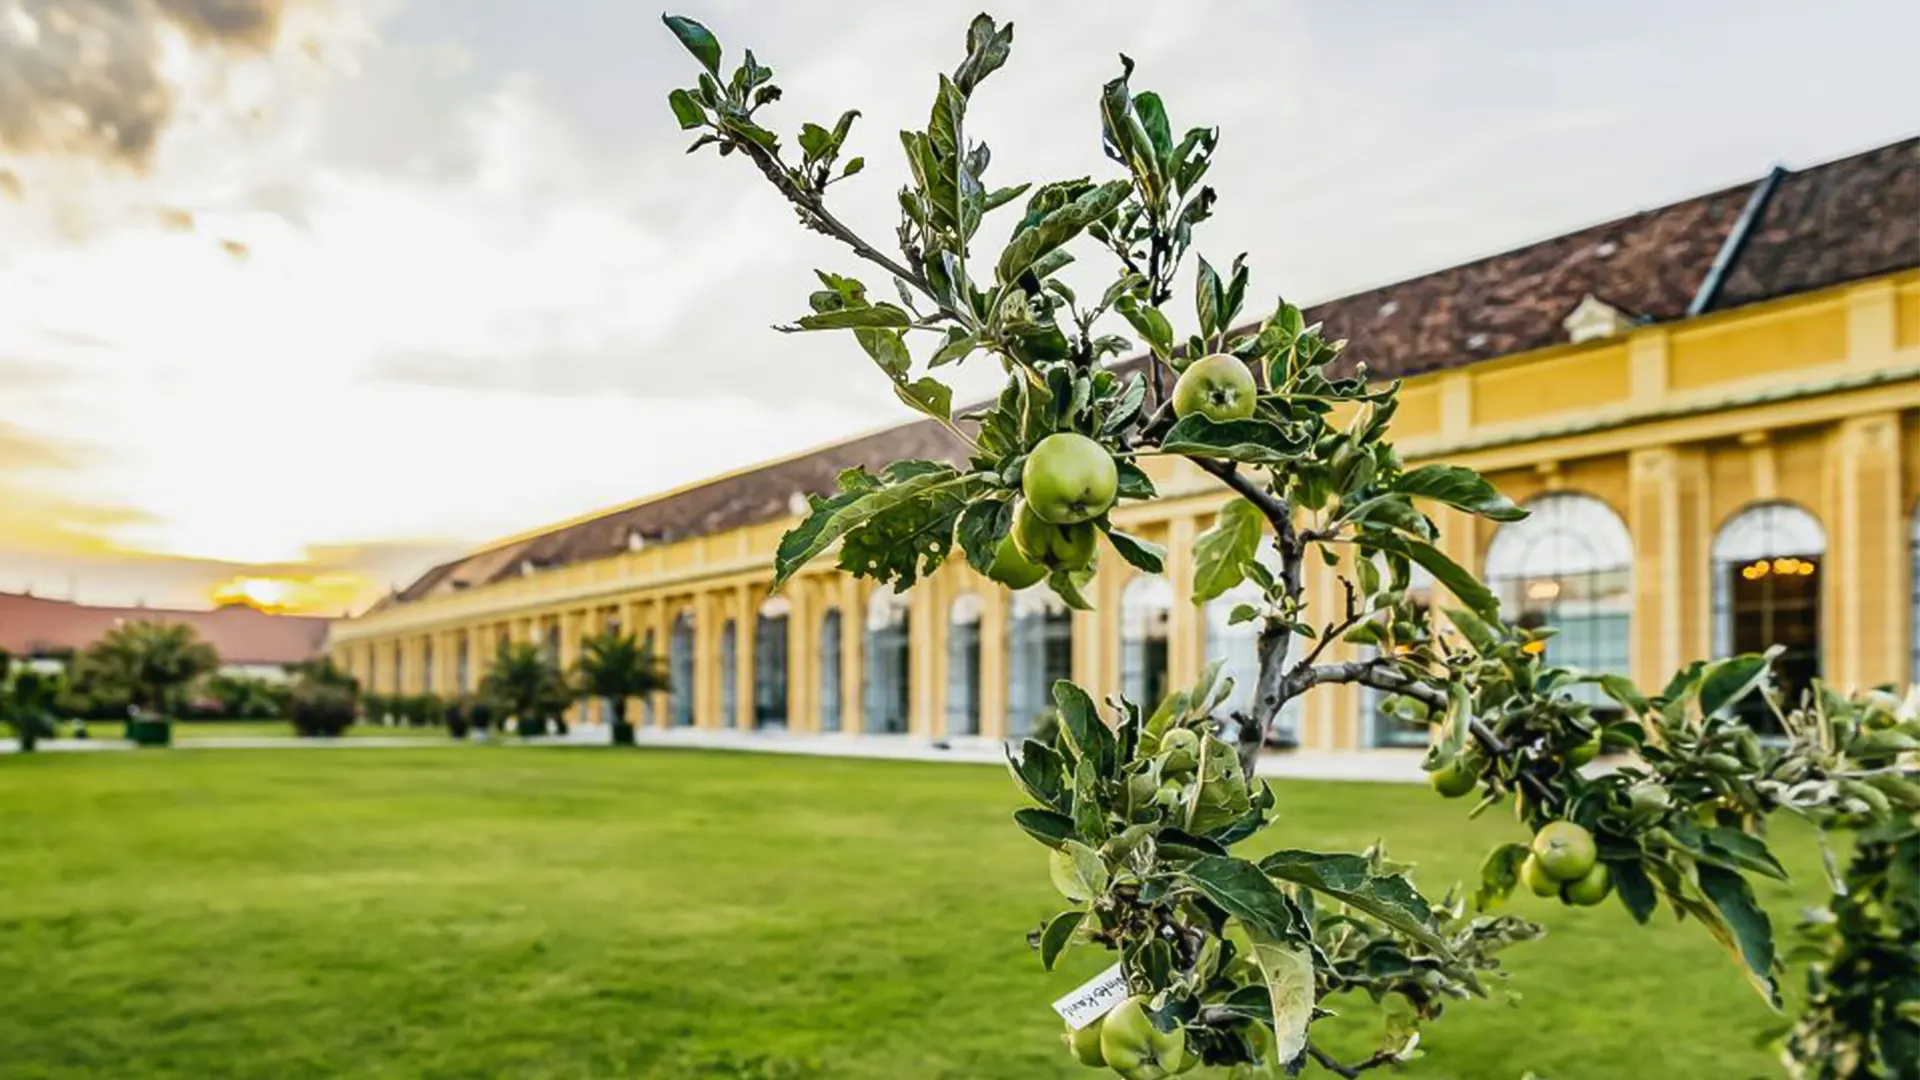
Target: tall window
[
  {"x": 830, "y": 671},
  {"x": 462, "y": 667},
  {"x": 963, "y": 666},
  {"x": 426, "y": 666},
  {"x": 729, "y": 669},
  {"x": 1145, "y": 606},
  {"x": 680, "y": 671},
  {"x": 1237, "y": 647},
  {"x": 650, "y": 649},
  {"x": 1039, "y": 654},
  {"x": 551, "y": 644},
  {"x": 770, "y": 664},
  {"x": 1569, "y": 566},
  {"x": 372, "y": 670},
  {"x": 399, "y": 669},
  {"x": 1766, "y": 592},
  {"x": 1384, "y": 728},
  {"x": 885, "y": 662}
]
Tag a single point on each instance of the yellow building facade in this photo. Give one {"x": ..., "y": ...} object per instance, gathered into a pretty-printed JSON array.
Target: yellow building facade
[{"x": 1703, "y": 482}]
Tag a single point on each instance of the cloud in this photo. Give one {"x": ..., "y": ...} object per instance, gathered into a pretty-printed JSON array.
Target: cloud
[{"x": 88, "y": 79}]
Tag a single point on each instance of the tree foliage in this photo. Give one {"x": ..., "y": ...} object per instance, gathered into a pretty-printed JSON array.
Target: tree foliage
[
  {"x": 615, "y": 666},
  {"x": 1141, "y": 804},
  {"x": 149, "y": 664},
  {"x": 524, "y": 684}
]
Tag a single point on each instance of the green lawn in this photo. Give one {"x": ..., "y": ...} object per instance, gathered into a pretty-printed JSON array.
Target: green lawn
[
  {"x": 234, "y": 729},
  {"x": 564, "y": 913}
]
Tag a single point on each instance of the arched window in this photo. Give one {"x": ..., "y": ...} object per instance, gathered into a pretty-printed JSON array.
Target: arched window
[
  {"x": 1237, "y": 647},
  {"x": 885, "y": 663},
  {"x": 963, "y": 665},
  {"x": 551, "y": 645},
  {"x": 729, "y": 670},
  {"x": 1145, "y": 606},
  {"x": 1569, "y": 566},
  {"x": 426, "y": 666},
  {"x": 770, "y": 664},
  {"x": 680, "y": 671},
  {"x": 830, "y": 671},
  {"x": 1766, "y": 592},
  {"x": 1039, "y": 654}
]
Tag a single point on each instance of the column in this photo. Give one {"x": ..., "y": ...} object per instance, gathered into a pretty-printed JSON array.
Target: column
[
  {"x": 657, "y": 620},
  {"x": 1186, "y": 626},
  {"x": 708, "y": 614},
  {"x": 926, "y": 648},
  {"x": 993, "y": 659},
  {"x": 853, "y": 642},
  {"x": 745, "y": 632},
  {"x": 1866, "y": 574},
  {"x": 1667, "y": 515},
  {"x": 801, "y": 661}
]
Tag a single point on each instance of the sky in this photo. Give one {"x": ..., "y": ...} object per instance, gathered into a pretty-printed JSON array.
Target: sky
[{"x": 299, "y": 297}]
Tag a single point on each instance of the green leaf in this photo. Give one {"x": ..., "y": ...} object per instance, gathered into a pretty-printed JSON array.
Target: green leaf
[
  {"x": 1350, "y": 879},
  {"x": 1070, "y": 586},
  {"x": 875, "y": 317},
  {"x": 1079, "y": 872},
  {"x": 1243, "y": 891},
  {"x": 1635, "y": 888},
  {"x": 1455, "y": 578},
  {"x": 1058, "y": 934},
  {"x": 1089, "y": 809},
  {"x": 698, "y": 40},
  {"x": 1499, "y": 876},
  {"x": 854, "y": 165},
  {"x": 982, "y": 526},
  {"x": 1050, "y": 827},
  {"x": 889, "y": 350},
  {"x": 1153, "y": 118},
  {"x": 957, "y": 345},
  {"x": 1150, "y": 324},
  {"x": 815, "y": 141},
  {"x": 1220, "y": 798},
  {"x": 1220, "y": 554},
  {"x": 1288, "y": 969},
  {"x": 1745, "y": 850},
  {"x": 1461, "y": 488},
  {"x": 1256, "y": 442},
  {"x": 1060, "y": 226},
  {"x": 1040, "y": 772},
  {"x": 987, "y": 48},
  {"x": 1752, "y": 930},
  {"x": 1134, "y": 482},
  {"x": 929, "y": 395},
  {"x": 1726, "y": 682},
  {"x": 686, "y": 110},
  {"x": 917, "y": 509},
  {"x": 1475, "y": 629},
  {"x": 1141, "y": 555},
  {"x": 1088, "y": 735},
  {"x": 1207, "y": 295}
]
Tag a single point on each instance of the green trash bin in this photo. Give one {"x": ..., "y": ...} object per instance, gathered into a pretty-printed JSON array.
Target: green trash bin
[{"x": 150, "y": 732}]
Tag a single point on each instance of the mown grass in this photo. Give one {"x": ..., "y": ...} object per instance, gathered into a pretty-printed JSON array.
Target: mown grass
[
  {"x": 565, "y": 913},
  {"x": 235, "y": 729}
]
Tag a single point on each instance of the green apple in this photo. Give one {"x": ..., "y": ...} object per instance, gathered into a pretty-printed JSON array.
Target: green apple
[
  {"x": 1085, "y": 1044},
  {"x": 1219, "y": 387},
  {"x": 1013, "y": 569},
  {"x": 1537, "y": 879},
  {"x": 1069, "y": 478},
  {"x": 1583, "y": 753},
  {"x": 1054, "y": 547},
  {"x": 1648, "y": 800},
  {"x": 1456, "y": 778},
  {"x": 1564, "y": 850},
  {"x": 1591, "y": 888},
  {"x": 1134, "y": 1049},
  {"x": 1182, "y": 749}
]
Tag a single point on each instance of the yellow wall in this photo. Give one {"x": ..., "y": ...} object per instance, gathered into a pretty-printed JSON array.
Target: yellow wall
[{"x": 1814, "y": 400}]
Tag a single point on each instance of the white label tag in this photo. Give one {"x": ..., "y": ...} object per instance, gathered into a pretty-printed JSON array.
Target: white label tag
[{"x": 1094, "y": 999}]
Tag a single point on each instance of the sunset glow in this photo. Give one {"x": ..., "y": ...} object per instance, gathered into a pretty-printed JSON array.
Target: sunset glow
[{"x": 318, "y": 596}]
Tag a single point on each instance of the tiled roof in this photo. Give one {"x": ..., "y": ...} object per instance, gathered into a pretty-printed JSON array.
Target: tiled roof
[
  {"x": 240, "y": 634},
  {"x": 1826, "y": 225}
]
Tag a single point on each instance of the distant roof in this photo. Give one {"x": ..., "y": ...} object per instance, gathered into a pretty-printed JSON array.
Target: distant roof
[
  {"x": 240, "y": 634},
  {"x": 1854, "y": 218}
]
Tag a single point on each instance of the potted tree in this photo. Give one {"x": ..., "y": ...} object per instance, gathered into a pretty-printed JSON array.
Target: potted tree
[
  {"x": 616, "y": 667},
  {"x": 150, "y": 665},
  {"x": 526, "y": 687}
]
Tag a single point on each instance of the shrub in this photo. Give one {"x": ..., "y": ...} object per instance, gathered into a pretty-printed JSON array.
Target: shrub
[{"x": 321, "y": 709}]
